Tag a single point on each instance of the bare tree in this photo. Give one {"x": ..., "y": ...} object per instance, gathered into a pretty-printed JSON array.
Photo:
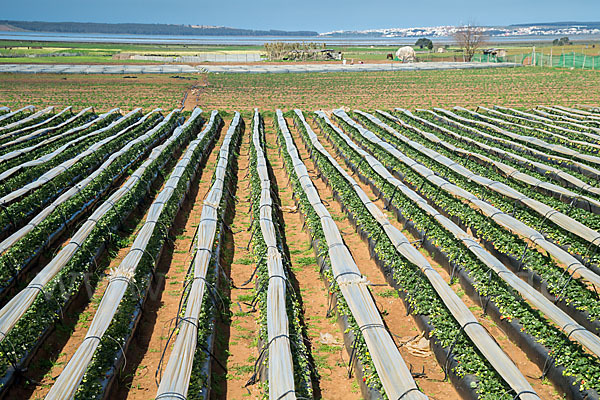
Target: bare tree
[{"x": 470, "y": 38}]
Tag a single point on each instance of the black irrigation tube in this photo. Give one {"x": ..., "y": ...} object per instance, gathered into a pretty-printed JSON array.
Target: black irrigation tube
[
  {"x": 112, "y": 373},
  {"x": 535, "y": 352},
  {"x": 463, "y": 385},
  {"x": 367, "y": 392},
  {"x": 73, "y": 219}
]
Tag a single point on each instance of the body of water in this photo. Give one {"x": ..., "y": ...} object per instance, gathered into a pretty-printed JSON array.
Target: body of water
[{"x": 255, "y": 40}]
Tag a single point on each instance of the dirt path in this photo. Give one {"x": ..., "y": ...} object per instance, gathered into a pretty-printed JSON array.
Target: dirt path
[
  {"x": 529, "y": 369},
  {"x": 138, "y": 381},
  {"x": 402, "y": 327}
]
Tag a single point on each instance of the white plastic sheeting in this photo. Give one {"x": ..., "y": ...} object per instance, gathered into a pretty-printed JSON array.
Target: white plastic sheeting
[
  {"x": 564, "y": 116},
  {"x": 595, "y": 160},
  {"x": 41, "y": 124},
  {"x": 28, "y": 118},
  {"x": 576, "y": 113},
  {"x": 505, "y": 220},
  {"x": 592, "y": 139},
  {"x": 560, "y": 219},
  {"x": 505, "y": 169},
  {"x": 47, "y": 157},
  {"x": 176, "y": 378},
  {"x": 561, "y": 175},
  {"x": 78, "y": 187},
  {"x": 45, "y": 130},
  {"x": 280, "y": 369},
  {"x": 13, "y": 113},
  {"x": 120, "y": 278},
  {"x": 564, "y": 322},
  {"x": 18, "y": 305},
  {"x": 59, "y": 169},
  {"x": 391, "y": 369},
  {"x": 513, "y": 143}
]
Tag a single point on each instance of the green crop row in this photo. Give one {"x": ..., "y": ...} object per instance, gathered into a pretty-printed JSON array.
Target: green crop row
[
  {"x": 300, "y": 356},
  {"x": 19, "y": 116},
  {"x": 524, "y": 132},
  {"x": 573, "y": 291},
  {"x": 50, "y": 147},
  {"x": 30, "y": 174},
  {"x": 18, "y": 256},
  {"x": 577, "y": 363},
  {"x": 47, "y": 307},
  {"x": 549, "y": 127},
  {"x": 18, "y": 213},
  {"x": 105, "y": 360}
]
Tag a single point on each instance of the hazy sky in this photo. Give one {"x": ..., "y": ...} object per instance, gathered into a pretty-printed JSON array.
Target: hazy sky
[{"x": 319, "y": 15}]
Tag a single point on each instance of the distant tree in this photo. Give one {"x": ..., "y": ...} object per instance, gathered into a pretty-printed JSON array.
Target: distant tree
[
  {"x": 470, "y": 38},
  {"x": 424, "y": 42},
  {"x": 561, "y": 42}
]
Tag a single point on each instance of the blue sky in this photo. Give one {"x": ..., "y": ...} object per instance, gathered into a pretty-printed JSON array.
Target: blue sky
[{"x": 319, "y": 15}]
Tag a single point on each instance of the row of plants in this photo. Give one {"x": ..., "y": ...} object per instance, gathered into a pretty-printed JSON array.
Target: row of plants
[
  {"x": 19, "y": 256},
  {"x": 60, "y": 124},
  {"x": 573, "y": 293},
  {"x": 561, "y": 163},
  {"x": 543, "y": 153},
  {"x": 30, "y": 132},
  {"x": 453, "y": 135},
  {"x": 200, "y": 382},
  {"x": 548, "y": 149},
  {"x": 575, "y": 245},
  {"x": 15, "y": 215},
  {"x": 109, "y": 353},
  {"x": 22, "y": 118},
  {"x": 35, "y": 131},
  {"x": 575, "y": 364},
  {"x": 505, "y": 203},
  {"x": 549, "y": 117},
  {"x": 38, "y": 321},
  {"x": 513, "y": 124},
  {"x": 581, "y": 215},
  {"x": 302, "y": 368},
  {"x": 27, "y": 154},
  {"x": 418, "y": 293},
  {"x": 569, "y": 131},
  {"x": 31, "y": 173},
  {"x": 312, "y": 222},
  {"x": 557, "y": 117}
]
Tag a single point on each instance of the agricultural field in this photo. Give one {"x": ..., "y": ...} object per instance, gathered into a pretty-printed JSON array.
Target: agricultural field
[
  {"x": 519, "y": 87},
  {"x": 26, "y": 51},
  {"x": 384, "y": 250}
]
